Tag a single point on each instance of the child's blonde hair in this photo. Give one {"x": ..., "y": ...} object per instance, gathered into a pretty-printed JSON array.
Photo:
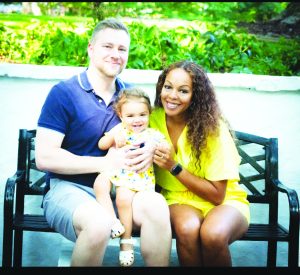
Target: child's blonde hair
[{"x": 128, "y": 94}]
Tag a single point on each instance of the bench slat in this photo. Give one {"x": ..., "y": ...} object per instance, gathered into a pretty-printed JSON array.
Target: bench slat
[
  {"x": 32, "y": 222},
  {"x": 259, "y": 232},
  {"x": 263, "y": 232}
]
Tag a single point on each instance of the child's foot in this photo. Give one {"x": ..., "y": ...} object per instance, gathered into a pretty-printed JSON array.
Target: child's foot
[
  {"x": 126, "y": 256},
  {"x": 117, "y": 229}
]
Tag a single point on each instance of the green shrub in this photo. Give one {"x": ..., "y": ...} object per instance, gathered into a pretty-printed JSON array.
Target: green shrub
[{"x": 219, "y": 47}]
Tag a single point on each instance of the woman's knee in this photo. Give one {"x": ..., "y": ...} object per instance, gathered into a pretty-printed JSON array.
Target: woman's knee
[
  {"x": 214, "y": 236},
  {"x": 186, "y": 230},
  {"x": 222, "y": 226},
  {"x": 186, "y": 221}
]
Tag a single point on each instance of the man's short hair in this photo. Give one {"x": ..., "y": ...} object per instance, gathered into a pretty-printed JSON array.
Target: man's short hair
[{"x": 109, "y": 23}]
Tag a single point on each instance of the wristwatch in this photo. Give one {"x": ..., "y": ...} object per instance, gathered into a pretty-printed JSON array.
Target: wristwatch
[{"x": 176, "y": 169}]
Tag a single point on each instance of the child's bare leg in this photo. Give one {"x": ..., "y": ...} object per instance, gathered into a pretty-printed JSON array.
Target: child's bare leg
[
  {"x": 124, "y": 204},
  {"x": 102, "y": 187}
]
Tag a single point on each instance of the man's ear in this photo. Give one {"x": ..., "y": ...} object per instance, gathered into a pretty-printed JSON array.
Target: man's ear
[{"x": 89, "y": 49}]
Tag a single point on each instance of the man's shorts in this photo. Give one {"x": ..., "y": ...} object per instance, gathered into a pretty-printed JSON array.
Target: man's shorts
[{"x": 60, "y": 203}]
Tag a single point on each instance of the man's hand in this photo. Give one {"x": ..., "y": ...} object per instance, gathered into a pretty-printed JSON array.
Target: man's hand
[
  {"x": 141, "y": 158},
  {"x": 116, "y": 159}
]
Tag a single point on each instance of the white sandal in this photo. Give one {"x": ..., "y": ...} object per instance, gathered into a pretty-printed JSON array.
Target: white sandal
[
  {"x": 126, "y": 257},
  {"x": 117, "y": 229}
]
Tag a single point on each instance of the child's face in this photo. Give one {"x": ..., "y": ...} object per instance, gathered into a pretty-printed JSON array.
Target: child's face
[{"x": 135, "y": 116}]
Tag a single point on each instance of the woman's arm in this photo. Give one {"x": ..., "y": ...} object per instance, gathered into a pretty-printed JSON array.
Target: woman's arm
[{"x": 212, "y": 191}]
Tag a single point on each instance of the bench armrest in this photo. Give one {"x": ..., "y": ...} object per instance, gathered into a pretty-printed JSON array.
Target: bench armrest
[
  {"x": 9, "y": 195},
  {"x": 293, "y": 204}
]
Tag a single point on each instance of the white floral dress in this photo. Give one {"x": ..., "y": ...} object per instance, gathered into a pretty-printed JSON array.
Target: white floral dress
[{"x": 130, "y": 179}]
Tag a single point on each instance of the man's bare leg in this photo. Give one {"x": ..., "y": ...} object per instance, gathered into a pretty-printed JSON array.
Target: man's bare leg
[
  {"x": 93, "y": 228},
  {"x": 151, "y": 214}
]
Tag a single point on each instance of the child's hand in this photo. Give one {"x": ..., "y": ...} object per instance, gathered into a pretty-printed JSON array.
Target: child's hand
[
  {"x": 118, "y": 136},
  {"x": 120, "y": 140}
]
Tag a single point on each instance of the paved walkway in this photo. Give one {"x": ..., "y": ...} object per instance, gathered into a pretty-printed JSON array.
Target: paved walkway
[{"x": 265, "y": 113}]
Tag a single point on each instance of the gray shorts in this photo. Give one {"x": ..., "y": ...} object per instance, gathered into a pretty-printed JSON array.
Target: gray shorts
[{"x": 60, "y": 203}]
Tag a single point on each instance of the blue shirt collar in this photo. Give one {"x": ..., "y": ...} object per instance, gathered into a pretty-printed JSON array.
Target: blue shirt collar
[{"x": 86, "y": 85}]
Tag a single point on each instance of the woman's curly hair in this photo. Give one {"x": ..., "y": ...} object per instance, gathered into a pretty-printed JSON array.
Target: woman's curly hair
[{"x": 203, "y": 114}]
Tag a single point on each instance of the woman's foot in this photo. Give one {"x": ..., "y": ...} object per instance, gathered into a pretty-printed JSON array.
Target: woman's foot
[
  {"x": 117, "y": 229},
  {"x": 126, "y": 256}
]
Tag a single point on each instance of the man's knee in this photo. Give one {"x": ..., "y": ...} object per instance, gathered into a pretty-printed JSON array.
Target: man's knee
[
  {"x": 93, "y": 220},
  {"x": 152, "y": 206},
  {"x": 160, "y": 206}
]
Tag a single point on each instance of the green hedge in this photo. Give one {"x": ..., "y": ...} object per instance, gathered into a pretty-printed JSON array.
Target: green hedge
[{"x": 218, "y": 48}]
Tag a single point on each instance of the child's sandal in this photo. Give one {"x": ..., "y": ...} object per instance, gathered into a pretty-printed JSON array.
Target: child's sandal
[
  {"x": 117, "y": 229},
  {"x": 126, "y": 257}
]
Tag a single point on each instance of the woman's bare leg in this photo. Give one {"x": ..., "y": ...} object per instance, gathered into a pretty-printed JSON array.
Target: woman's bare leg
[
  {"x": 223, "y": 225},
  {"x": 186, "y": 222}
]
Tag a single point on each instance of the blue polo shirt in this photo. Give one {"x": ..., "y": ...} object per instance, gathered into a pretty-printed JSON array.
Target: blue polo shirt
[{"x": 73, "y": 109}]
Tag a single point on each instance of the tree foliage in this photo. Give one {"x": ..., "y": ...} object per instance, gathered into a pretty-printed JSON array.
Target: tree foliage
[
  {"x": 247, "y": 11},
  {"x": 218, "y": 45}
]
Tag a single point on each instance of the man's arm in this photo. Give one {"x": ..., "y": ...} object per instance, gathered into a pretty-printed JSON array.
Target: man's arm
[{"x": 51, "y": 157}]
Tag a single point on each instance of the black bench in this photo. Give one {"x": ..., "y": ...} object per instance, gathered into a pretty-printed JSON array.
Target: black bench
[{"x": 258, "y": 173}]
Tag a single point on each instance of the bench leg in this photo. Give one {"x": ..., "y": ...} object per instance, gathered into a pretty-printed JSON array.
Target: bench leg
[
  {"x": 18, "y": 247},
  {"x": 272, "y": 253},
  {"x": 293, "y": 253},
  {"x": 7, "y": 245}
]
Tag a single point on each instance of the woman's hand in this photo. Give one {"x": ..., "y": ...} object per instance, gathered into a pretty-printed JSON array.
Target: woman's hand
[{"x": 164, "y": 156}]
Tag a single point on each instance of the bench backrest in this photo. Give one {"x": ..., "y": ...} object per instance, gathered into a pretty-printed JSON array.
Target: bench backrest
[{"x": 259, "y": 164}]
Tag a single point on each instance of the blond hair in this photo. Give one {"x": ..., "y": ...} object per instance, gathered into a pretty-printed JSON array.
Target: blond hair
[{"x": 129, "y": 94}]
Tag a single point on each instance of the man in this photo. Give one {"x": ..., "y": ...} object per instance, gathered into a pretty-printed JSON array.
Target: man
[{"x": 76, "y": 113}]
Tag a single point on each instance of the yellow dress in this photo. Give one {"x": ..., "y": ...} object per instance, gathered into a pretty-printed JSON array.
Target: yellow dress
[
  {"x": 130, "y": 179},
  {"x": 222, "y": 163}
]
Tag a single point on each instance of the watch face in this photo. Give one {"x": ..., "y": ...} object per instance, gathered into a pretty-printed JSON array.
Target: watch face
[{"x": 176, "y": 169}]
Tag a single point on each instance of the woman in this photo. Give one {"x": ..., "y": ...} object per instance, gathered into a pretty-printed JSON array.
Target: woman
[{"x": 199, "y": 173}]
